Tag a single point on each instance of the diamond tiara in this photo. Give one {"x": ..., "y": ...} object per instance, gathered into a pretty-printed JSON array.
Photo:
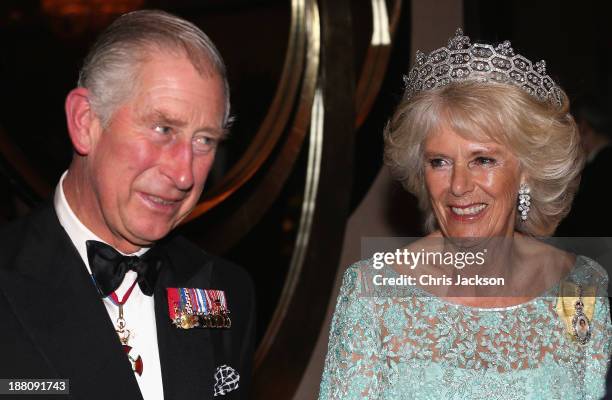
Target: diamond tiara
[{"x": 461, "y": 61}]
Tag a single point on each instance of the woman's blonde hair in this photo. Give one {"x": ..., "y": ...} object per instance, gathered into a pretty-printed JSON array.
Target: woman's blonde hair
[{"x": 542, "y": 136}]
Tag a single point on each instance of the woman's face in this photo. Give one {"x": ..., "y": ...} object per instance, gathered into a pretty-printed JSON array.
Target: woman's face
[{"x": 473, "y": 186}]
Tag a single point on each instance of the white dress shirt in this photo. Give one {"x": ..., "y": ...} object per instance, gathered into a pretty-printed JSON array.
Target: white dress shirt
[{"x": 138, "y": 311}]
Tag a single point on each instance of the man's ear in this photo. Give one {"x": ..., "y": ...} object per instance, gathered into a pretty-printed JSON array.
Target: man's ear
[{"x": 83, "y": 123}]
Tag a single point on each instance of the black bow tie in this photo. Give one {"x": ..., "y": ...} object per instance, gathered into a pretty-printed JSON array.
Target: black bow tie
[{"x": 108, "y": 267}]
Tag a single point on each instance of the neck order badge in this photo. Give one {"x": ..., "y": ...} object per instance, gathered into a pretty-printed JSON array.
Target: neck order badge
[
  {"x": 198, "y": 308},
  {"x": 124, "y": 333}
]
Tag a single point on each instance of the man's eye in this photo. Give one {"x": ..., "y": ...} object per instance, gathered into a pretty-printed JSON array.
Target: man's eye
[
  {"x": 204, "y": 143},
  {"x": 164, "y": 130}
]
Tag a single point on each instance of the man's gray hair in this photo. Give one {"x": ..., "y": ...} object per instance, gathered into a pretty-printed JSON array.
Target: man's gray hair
[{"x": 111, "y": 67}]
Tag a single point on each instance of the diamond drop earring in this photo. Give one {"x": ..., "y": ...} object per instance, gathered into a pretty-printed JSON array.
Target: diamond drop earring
[{"x": 524, "y": 200}]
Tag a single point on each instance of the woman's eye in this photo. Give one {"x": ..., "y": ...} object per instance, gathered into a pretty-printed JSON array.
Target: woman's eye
[
  {"x": 484, "y": 161},
  {"x": 437, "y": 162},
  {"x": 164, "y": 130}
]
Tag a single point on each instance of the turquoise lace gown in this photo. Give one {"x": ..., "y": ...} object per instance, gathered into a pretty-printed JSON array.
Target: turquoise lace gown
[{"x": 418, "y": 347}]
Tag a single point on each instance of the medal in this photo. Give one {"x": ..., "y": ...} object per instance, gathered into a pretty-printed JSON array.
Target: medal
[
  {"x": 180, "y": 308},
  {"x": 124, "y": 333},
  {"x": 218, "y": 304},
  {"x": 198, "y": 308}
]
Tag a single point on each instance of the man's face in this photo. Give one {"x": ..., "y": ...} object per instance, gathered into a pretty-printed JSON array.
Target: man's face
[{"x": 148, "y": 167}]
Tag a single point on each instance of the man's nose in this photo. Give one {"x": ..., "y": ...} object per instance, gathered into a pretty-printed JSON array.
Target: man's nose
[
  {"x": 461, "y": 180},
  {"x": 178, "y": 165}
]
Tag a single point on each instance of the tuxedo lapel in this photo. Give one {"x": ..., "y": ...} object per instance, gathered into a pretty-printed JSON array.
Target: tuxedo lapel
[
  {"x": 187, "y": 355},
  {"x": 53, "y": 297}
]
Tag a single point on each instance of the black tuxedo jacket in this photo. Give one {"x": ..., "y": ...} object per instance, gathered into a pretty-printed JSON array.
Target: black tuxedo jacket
[{"x": 53, "y": 323}]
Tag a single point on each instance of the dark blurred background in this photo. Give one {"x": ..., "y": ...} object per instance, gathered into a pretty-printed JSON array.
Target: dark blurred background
[{"x": 291, "y": 220}]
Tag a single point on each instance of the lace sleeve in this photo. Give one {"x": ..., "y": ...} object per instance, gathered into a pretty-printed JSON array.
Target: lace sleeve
[{"x": 352, "y": 365}]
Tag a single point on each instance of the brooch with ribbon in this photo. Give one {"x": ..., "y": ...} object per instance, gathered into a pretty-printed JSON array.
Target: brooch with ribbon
[
  {"x": 576, "y": 306},
  {"x": 198, "y": 308}
]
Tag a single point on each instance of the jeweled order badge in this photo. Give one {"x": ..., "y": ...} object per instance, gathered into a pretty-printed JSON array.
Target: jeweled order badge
[{"x": 198, "y": 308}]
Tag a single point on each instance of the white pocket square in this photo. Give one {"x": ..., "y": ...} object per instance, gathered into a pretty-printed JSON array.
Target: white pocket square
[{"x": 226, "y": 380}]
